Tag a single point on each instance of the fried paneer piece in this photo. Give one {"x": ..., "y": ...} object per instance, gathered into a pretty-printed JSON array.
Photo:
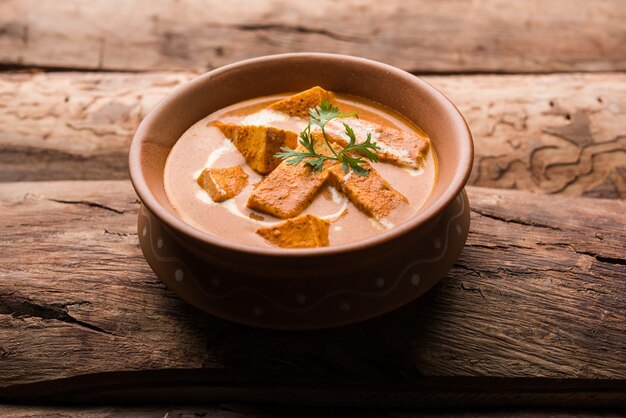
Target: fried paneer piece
[
  {"x": 290, "y": 189},
  {"x": 258, "y": 144},
  {"x": 306, "y": 231},
  {"x": 299, "y": 104},
  {"x": 223, "y": 183},
  {"x": 396, "y": 146},
  {"x": 287, "y": 191},
  {"x": 371, "y": 194}
]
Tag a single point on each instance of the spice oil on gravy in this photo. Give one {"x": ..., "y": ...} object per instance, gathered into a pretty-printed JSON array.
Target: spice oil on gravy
[{"x": 203, "y": 146}]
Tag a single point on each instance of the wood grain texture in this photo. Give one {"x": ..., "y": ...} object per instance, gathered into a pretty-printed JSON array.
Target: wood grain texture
[
  {"x": 419, "y": 36},
  {"x": 538, "y": 291},
  {"x": 73, "y": 126},
  {"x": 555, "y": 134}
]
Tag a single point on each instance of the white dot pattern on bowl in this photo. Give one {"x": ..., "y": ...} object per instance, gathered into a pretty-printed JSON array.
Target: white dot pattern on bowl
[
  {"x": 415, "y": 279},
  {"x": 301, "y": 298}
]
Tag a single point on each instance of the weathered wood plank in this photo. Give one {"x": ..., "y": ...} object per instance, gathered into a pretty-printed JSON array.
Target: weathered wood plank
[
  {"x": 219, "y": 386},
  {"x": 267, "y": 411},
  {"x": 538, "y": 291},
  {"x": 448, "y": 36},
  {"x": 73, "y": 126},
  {"x": 551, "y": 133},
  {"x": 228, "y": 388}
]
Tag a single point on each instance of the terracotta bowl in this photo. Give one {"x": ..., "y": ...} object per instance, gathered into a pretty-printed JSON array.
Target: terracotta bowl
[{"x": 303, "y": 288}]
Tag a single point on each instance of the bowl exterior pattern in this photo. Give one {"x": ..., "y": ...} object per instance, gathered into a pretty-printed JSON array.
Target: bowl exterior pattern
[{"x": 306, "y": 302}]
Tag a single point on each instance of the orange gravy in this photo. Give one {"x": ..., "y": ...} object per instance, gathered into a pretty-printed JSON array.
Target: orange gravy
[{"x": 203, "y": 146}]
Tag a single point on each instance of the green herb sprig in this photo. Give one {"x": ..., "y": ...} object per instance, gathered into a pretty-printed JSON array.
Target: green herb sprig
[{"x": 348, "y": 156}]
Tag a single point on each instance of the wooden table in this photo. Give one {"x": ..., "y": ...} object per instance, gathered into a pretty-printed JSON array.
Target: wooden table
[{"x": 532, "y": 314}]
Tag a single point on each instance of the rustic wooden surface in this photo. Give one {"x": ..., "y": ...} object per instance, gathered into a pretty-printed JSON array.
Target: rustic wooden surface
[
  {"x": 418, "y": 36},
  {"x": 244, "y": 411},
  {"x": 532, "y": 314},
  {"x": 535, "y": 293},
  {"x": 549, "y": 133}
]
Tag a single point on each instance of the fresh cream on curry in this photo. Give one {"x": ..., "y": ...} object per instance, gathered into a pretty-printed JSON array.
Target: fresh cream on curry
[{"x": 204, "y": 146}]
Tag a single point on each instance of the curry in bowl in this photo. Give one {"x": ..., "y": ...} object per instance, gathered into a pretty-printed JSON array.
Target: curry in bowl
[
  {"x": 255, "y": 214},
  {"x": 310, "y": 169}
]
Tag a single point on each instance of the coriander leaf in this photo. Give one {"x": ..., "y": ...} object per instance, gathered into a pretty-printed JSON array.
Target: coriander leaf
[
  {"x": 293, "y": 157},
  {"x": 320, "y": 116},
  {"x": 354, "y": 164},
  {"x": 316, "y": 163},
  {"x": 360, "y": 171},
  {"x": 324, "y": 113},
  {"x": 350, "y": 134},
  {"x": 367, "y": 149}
]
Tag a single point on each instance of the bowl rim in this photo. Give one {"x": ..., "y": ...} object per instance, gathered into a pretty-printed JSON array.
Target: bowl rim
[{"x": 460, "y": 178}]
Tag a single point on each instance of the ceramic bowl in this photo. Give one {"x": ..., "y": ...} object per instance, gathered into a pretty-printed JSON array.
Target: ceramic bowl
[{"x": 303, "y": 288}]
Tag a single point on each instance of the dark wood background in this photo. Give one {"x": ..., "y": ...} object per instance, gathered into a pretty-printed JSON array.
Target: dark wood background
[{"x": 533, "y": 313}]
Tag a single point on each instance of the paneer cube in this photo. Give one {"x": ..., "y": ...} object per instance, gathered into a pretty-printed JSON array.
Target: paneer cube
[
  {"x": 396, "y": 146},
  {"x": 290, "y": 189},
  {"x": 299, "y": 104},
  {"x": 306, "y": 231},
  {"x": 258, "y": 144},
  {"x": 371, "y": 194},
  {"x": 223, "y": 183},
  {"x": 287, "y": 191}
]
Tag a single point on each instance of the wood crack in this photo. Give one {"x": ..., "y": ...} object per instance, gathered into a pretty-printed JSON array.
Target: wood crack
[
  {"x": 300, "y": 29},
  {"x": 514, "y": 220},
  {"x": 492, "y": 247},
  {"x": 601, "y": 258},
  {"x": 19, "y": 307},
  {"x": 4, "y": 353},
  {"x": 473, "y": 289},
  {"x": 474, "y": 272},
  {"x": 119, "y": 234},
  {"x": 90, "y": 204}
]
